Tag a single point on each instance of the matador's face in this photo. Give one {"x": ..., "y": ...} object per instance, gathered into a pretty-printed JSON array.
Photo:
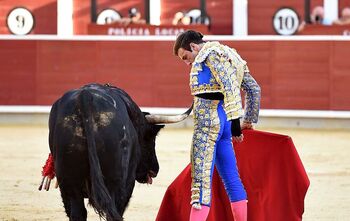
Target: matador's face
[{"x": 189, "y": 56}]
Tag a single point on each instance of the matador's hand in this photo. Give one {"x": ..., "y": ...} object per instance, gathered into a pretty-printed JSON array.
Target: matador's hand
[{"x": 238, "y": 139}]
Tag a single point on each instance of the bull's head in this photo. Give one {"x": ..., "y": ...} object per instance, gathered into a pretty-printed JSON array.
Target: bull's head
[{"x": 149, "y": 167}]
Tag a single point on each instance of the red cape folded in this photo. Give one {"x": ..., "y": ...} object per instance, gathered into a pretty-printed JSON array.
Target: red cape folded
[{"x": 272, "y": 173}]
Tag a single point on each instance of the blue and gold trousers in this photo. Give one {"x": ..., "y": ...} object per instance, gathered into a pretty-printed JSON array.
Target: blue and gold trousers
[{"x": 212, "y": 145}]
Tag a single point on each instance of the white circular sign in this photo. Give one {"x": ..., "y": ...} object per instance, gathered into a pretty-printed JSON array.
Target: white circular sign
[
  {"x": 20, "y": 21},
  {"x": 108, "y": 16},
  {"x": 286, "y": 21}
]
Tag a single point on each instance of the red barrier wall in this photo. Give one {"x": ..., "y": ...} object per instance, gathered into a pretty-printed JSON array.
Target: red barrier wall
[
  {"x": 325, "y": 30},
  {"x": 292, "y": 74}
]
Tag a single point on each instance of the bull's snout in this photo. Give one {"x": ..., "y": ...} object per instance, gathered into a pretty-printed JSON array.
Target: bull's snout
[{"x": 152, "y": 174}]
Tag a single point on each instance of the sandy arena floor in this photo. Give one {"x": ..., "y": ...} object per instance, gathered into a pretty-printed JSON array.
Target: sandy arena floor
[{"x": 23, "y": 150}]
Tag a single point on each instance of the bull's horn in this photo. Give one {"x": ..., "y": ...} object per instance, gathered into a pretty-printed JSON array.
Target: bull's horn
[{"x": 162, "y": 119}]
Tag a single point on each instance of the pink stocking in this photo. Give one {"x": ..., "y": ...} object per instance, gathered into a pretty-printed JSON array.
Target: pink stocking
[
  {"x": 199, "y": 214},
  {"x": 239, "y": 210}
]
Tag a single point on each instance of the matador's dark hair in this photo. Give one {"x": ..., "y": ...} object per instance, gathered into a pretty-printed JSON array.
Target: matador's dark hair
[{"x": 184, "y": 39}]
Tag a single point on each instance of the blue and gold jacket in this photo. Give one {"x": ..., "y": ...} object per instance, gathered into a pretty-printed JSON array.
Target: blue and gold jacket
[{"x": 219, "y": 68}]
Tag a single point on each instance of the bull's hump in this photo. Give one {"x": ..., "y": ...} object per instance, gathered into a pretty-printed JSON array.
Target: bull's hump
[{"x": 101, "y": 119}]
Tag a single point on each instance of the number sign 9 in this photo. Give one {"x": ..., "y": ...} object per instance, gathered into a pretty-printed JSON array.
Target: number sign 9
[{"x": 20, "y": 21}]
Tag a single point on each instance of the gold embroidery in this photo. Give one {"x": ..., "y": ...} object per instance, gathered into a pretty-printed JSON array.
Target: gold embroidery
[
  {"x": 231, "y": 90},
  {"x": 252, "y": 98},
  {"x": 205, "y": 88},
  {"x": 227, "y": 70},
  {"x": 206, "y": 130}
]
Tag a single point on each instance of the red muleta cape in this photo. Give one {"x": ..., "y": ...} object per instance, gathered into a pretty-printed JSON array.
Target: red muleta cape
[{"x": 271, "y": 171}]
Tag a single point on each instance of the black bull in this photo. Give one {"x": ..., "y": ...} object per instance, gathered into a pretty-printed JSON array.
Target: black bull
[{"x": 101, "y": 143}]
